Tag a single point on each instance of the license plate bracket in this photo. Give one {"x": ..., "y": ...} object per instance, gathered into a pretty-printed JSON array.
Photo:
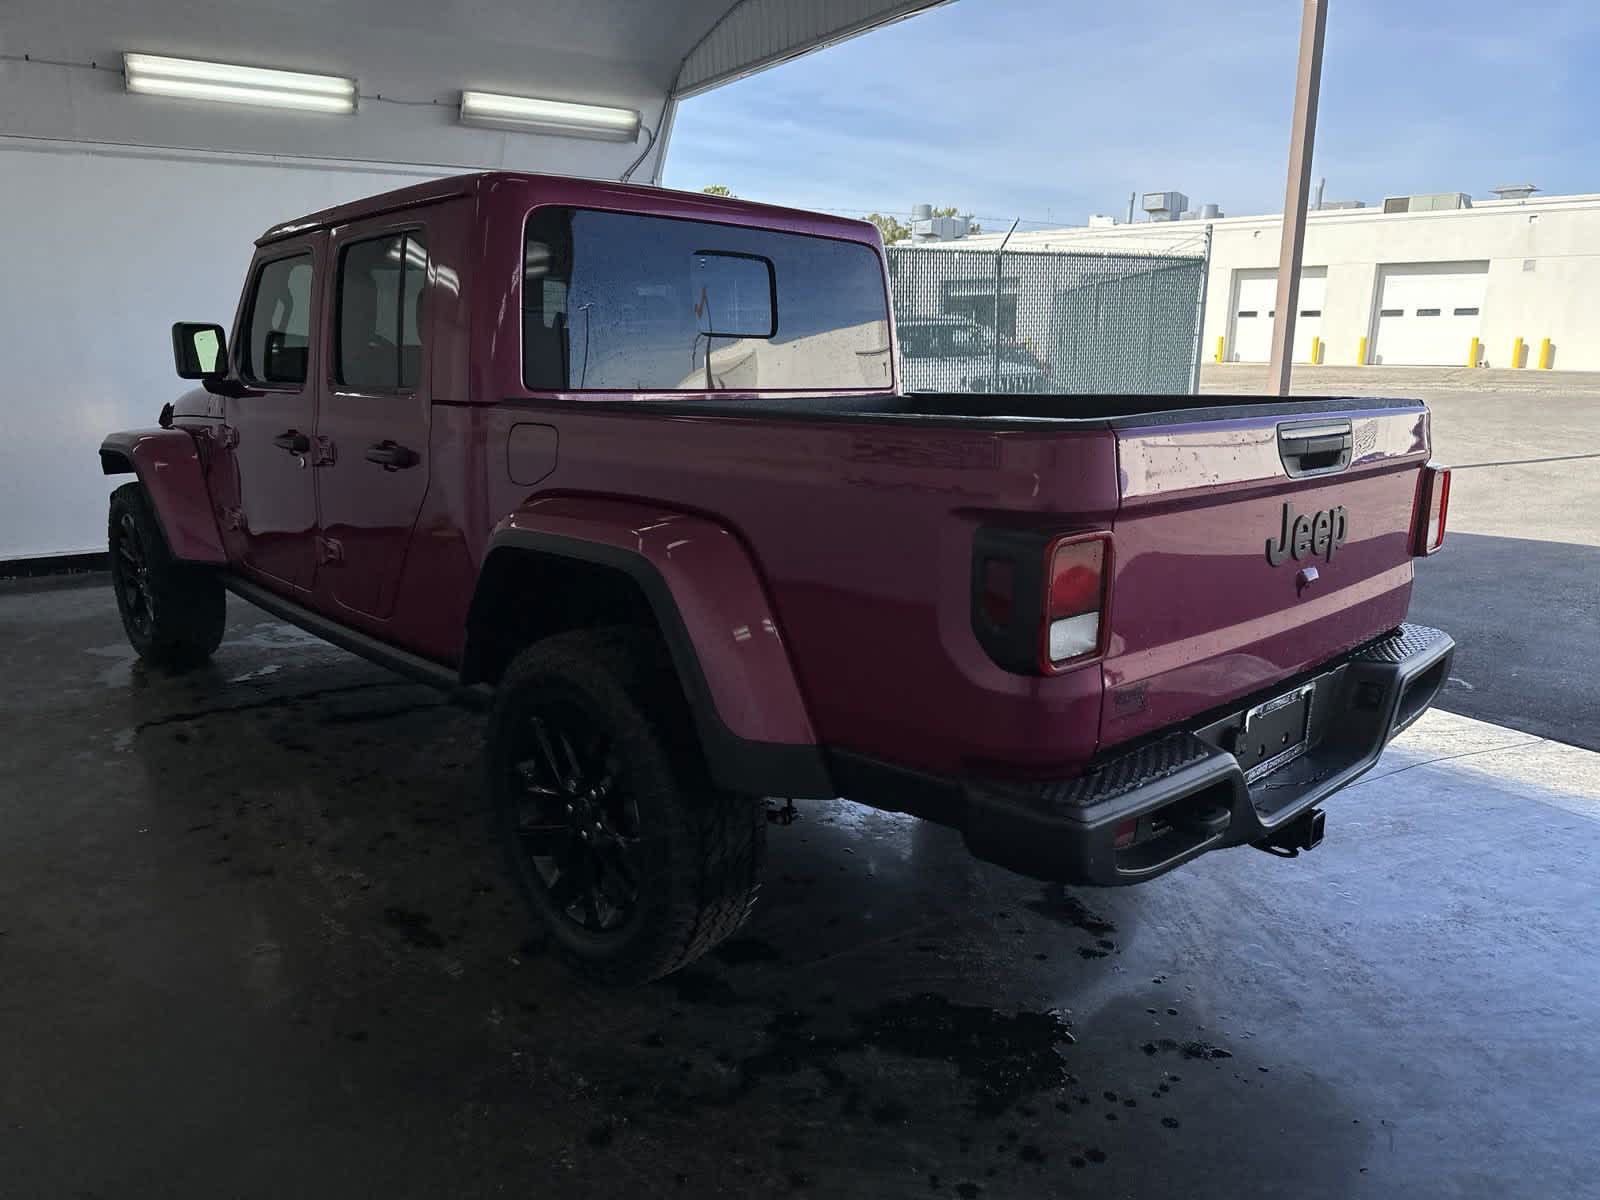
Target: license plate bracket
[{"x": 1274, "y": 733}]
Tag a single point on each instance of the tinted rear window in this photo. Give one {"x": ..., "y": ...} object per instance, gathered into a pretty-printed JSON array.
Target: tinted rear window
[
  {"x": 617, "y": 301},
  {"x": 379, "y": 345}
]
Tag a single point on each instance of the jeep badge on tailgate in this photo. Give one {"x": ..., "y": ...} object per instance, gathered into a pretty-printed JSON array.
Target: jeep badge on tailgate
[{"x": 1315, "y": 533}]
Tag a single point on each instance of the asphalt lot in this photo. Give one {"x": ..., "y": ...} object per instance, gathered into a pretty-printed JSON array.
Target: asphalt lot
[
  {"x": 254, "y": 943},
  {"x": 1518, "y": 583}
]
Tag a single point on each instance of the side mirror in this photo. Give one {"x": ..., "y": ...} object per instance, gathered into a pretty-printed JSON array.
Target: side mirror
[{"x": 199, "y": 351}]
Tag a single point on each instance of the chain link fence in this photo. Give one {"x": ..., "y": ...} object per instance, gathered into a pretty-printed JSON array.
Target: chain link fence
[{"x": 1068, "y": 321}]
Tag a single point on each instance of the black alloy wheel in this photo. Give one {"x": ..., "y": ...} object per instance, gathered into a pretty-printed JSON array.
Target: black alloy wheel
[
  {"x": 631, "y": 861},
  {"x": 576, "y": 825},
  {"x": 174, "y": 612},
  {"x": 130, "y": 575}
]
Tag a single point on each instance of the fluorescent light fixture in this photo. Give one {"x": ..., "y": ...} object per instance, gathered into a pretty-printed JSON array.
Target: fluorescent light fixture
[
  {"x": 561, "y": 117},
  {"x": 190, "y": 79}
]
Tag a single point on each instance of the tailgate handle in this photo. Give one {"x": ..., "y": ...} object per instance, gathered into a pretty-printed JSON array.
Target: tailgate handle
[{"x": 1315, "y": 448}]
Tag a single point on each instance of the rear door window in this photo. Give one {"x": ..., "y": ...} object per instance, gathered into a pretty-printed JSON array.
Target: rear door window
[
  {"x": 618, "y": 301},
  {"x": 278, "y": 348},
  {"x": 379, "y": 330}
]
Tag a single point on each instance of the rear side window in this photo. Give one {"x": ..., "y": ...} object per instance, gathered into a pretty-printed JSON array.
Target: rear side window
[
  {"x": 279, "y": 344},
  {"x": 379, "y": 331},
  {"x": 617, "y": 301}
]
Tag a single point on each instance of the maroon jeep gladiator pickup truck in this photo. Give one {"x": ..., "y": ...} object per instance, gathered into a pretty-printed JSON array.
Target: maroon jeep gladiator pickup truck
[{"x": 632, "y": 466}]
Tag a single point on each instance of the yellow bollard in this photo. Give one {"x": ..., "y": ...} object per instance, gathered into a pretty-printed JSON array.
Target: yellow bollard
[
  {"x": 1361, "y": 357},
  {"x": 1516, "y": 354},
  {"x": 1472, "y": 353},
  {"x": 1316, "y": 350},
  {"x": 1220, "y": 338},
  {"x": 1545, "y": 354}
]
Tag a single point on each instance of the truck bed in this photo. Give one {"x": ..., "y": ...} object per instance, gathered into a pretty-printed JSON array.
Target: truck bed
[
  {"x": 863, "y": 511},
  {"x": 968, "y": 408}
]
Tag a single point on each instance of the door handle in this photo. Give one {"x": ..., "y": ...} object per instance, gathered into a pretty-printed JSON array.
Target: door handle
[
  {"x": 293, "y": 441},
  {"x": 392, "y": 456}
]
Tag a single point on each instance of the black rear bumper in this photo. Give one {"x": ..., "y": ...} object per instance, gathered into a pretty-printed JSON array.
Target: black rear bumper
[{"x": 1186, "y": 792}]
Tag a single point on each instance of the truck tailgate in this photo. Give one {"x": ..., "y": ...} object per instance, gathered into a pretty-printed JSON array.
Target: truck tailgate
[{"x": 1212, "y": 598}]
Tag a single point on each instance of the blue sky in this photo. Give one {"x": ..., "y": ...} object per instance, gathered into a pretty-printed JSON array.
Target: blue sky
[{"x": 1052, "y": 109}]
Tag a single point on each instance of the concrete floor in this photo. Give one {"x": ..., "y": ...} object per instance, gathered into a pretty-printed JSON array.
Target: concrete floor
[
  {"x": 253, "y": 943},
  {"x": 1518, "y": 584}
]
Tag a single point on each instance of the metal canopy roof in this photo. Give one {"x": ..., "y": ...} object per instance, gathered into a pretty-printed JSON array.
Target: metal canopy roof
[
  {"x": 411, "y": 60},
  {"x": 752, "y": 35}
]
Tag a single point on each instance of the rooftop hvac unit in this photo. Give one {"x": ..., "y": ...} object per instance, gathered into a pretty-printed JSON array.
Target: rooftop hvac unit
[
  {"x": 1165, "y": 206},
  {"x": 1210, "y": 212},
  {"x": 1427, "y": 202},
  {"x": 939, "y": 229},
  {"x": 1101, "y": 221},
  {"x": 1341, "y": 205},
  {"x": 922, "y": 212}
]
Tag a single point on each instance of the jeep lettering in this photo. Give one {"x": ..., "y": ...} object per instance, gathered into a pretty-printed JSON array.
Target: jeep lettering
[{"x": 1320, "y": 533}]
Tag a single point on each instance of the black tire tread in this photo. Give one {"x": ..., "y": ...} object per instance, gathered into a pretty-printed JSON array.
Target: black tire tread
[
  {"x": 714, "y": 885},
  {"x": 191, "y": 611}
]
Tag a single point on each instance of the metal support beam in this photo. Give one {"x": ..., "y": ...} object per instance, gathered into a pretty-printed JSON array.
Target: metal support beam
[
  {"x": 1200, "y": 318},
  {"x": 999, "y": 256},
  {"x": 1313, "y": 24}
]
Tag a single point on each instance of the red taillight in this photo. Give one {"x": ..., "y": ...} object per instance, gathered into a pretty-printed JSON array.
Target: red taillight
[
  {"x": 1126, "y": 831},
  {"x": 1075, "y": 578},
  {"x": 1074, "y": 599},
  {"x": 1433, "y": 508}
]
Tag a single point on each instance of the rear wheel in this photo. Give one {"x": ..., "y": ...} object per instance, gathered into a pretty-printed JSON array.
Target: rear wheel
[
  {"x": 630, "y": 861},
  {"x": 173, "y": 613}
]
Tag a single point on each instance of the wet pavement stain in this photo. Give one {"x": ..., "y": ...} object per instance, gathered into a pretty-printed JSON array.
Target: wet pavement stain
[
  {"x": 1189, "y": 1049},
  {"x": 1062, "y": 906},
  {"x": 1002, "y": 1057}
]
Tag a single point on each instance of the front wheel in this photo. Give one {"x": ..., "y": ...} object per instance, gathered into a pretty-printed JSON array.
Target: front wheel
[
  {"x": 631, "y": 862},
  {"x": 174, "y": 613}
]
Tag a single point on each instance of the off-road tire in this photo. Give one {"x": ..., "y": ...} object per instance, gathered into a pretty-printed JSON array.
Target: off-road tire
[
  {"x": 173, "y": 612},
  {"x": 700, "y": 850}
]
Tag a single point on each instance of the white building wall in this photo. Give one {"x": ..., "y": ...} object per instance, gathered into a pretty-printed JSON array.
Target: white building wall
[
  {"x": 1558, "y": 297},
  {"x": 1347, "y": 307},
  {"x": 103, "y": 251},
  {"x": 1543, "y": 275}
]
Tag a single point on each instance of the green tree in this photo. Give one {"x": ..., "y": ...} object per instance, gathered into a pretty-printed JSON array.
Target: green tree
[
  {"x": 891, "y": 229},
  {"x": 719, "y": 189}
]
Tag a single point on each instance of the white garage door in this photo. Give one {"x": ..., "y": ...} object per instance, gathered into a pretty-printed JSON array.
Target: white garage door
[
  {"x": 1254, "y": 310},
  {"x": 1428, "y": 312}
]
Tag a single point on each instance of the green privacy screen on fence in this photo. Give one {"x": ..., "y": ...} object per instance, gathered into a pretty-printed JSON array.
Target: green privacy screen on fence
[{"x": 1068, "y": 321}]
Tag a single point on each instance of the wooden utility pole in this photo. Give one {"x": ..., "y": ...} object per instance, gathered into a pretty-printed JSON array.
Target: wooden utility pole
[{"x": 1313, "y": 23}]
